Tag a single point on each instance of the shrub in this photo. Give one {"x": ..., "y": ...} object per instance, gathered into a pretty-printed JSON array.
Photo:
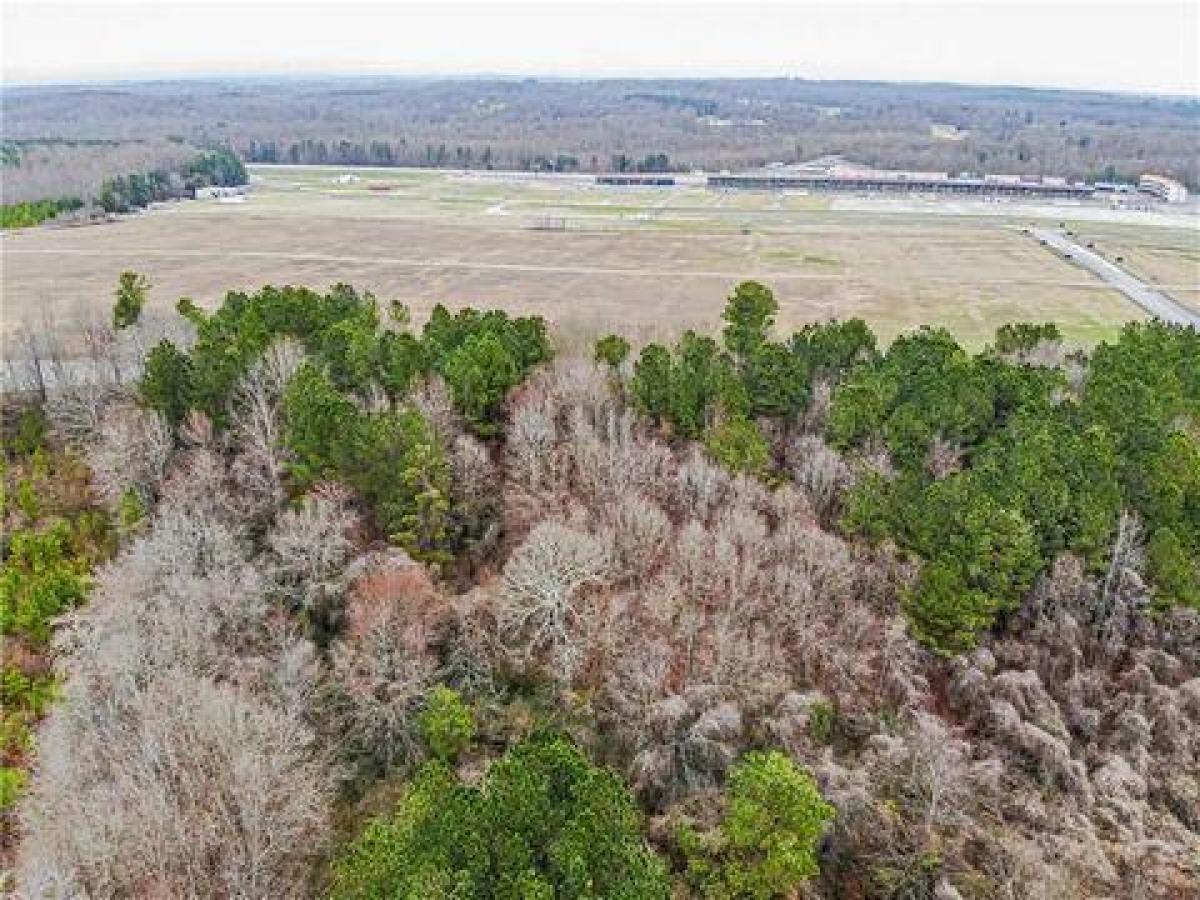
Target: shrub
[
  {"x": 166, "y": 385},
  {"x": 822, "y": 721},
  {"x": 738, "y": 445},
  {"x": 131, "y": 510},
  {"x": 31, "y": 431},
  {"x": 12, "y": 781},
  {"x": 1174, "y": 572},
  {"x": 39, "y": 580},
  {"x": 23, "y": 700},
  {"x": 27, "y": 500},
  {"x": 612, "y": 350},
  {"x": 544, "y": 823},
  {"x": 765, "y": 846},
  {"x": 131, "y": 298},
  {"x": 750, "y": 313},
  {"x": 28, "y": 213},
  {"x": 447, "y": 724},
  {"x": 480, "y": 373}
]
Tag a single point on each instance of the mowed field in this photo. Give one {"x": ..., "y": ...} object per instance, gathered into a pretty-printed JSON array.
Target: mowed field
[
  {"x": 648, "y": 261},
  {"x": 1166, "y": 258}
]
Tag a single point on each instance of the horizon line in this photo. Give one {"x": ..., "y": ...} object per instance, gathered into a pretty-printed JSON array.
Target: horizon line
[{"x": 167, "y": 77}]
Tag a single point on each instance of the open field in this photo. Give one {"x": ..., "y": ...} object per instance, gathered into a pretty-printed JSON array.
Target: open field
[
  {"x": 1168, "y": 259},
  {"x": 1156, "y": 303},
  {"x": 652, "y": 260}
]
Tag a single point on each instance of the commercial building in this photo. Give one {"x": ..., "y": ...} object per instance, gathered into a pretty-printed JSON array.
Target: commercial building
[
  {"x": 623, "y": 178},
  {"x": 218, "y": 192},
  {"x": 1165, "y": 189},
  {"x": 835, "y": 175}
]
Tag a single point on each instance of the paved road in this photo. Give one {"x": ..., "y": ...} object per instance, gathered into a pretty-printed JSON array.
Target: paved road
[{"x": 1148, "y": 298}]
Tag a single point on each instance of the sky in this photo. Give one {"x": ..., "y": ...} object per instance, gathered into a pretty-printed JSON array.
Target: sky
[{"x": 1132, "y": 46}]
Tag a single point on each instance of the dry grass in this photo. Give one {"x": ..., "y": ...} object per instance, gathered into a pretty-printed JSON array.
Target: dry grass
[
  {"x": 1167, "y": 258},
  {"x": 649, "y": 261}
]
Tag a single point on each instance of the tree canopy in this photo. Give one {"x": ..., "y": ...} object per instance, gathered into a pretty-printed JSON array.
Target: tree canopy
[{"x": 544, "y": 823}]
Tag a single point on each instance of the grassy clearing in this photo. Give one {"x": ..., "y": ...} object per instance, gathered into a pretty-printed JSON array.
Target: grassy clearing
[
  {"x": 655, "y": 261},
  {"x": 1168, "y": 258}
]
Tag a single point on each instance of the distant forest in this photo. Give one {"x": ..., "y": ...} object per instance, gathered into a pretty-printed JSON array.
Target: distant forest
[{"x": 655, "y": 125}]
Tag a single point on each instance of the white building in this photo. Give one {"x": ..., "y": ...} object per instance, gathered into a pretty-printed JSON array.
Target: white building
[
  {"x": 216, "y": 192},
  {"x": 1167, "y": 189}
]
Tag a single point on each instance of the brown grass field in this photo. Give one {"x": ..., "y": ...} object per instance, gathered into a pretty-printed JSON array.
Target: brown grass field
[
  {"x": 650, "y": 262},
  {"x": 1167, "y": 258}
]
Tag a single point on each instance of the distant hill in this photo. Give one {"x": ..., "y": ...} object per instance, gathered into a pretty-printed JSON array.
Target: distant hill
[{"x": 569, "y": 125}]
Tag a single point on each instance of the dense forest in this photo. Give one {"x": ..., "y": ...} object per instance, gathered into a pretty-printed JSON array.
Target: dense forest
[
  {"x": 326, "y": 604},
  {"x": 45, "y": 179},
  {"x": 567, "y": 125}
]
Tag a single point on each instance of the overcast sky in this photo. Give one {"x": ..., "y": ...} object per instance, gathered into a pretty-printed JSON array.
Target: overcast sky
[{"x": 1126, "y": 46}]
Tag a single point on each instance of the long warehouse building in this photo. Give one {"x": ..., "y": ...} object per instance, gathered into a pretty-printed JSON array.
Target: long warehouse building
[{"x": 901, "y": 183}]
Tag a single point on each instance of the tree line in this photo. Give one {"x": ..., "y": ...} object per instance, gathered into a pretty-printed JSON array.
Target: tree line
[
  {"x": 136, "y": 190},
  {"x": 27, "y": 214},
  {"x": 460, "y": 156},
  {"x": 179, "y": 176}
]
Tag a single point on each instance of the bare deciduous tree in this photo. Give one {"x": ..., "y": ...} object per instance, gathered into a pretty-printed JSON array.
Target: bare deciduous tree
[
  {"x": 131, "y": 452},
  {"x": 541, "y": 587},
  {"x": 185, "y": 787},
  {"x": 692, "y": 739},
  {"x": 256, "y": 422},
  {"x": 476, "y": 486},
  {"x": 384, "y": 661},
  {"x": 76, "y": 412},
  {"x": 310, "y": 548},
  {"x": 530, "y": 443},
  {"x": 180, "y": 761},
  {"x": 700, "y": 485},
  {"x": 640, "y": 531},
  {"x": 820, "y": 472},
  {"x": 433, "y": 400},
  {"x": 611, "y": 456}
]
